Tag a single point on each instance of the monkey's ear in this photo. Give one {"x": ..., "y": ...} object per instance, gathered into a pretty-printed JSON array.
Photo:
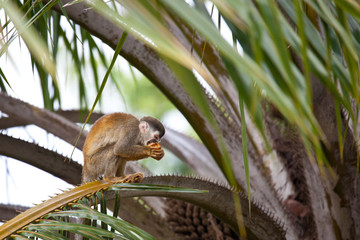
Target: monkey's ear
[{"x": 143, "y": 126}]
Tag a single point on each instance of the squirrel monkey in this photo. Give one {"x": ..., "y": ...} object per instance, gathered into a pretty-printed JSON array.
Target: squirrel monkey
[{"x": 116, "y": 138}]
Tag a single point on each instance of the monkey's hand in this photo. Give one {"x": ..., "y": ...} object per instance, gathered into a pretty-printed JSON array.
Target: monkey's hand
[{"x": 156, "y": 151}]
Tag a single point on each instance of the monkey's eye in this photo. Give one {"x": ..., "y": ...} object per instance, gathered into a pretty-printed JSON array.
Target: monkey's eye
[{"x": 156, "y": 136}]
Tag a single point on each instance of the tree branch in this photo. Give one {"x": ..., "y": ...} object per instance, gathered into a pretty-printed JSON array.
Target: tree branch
[
  {"x": 8, "y": 211},
  {"x": 44, "y": 159},
  {"x": 49, "y": 121}
]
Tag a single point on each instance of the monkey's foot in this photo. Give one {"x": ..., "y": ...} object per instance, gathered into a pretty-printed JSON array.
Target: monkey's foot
[{"x": 131, "y": 178}]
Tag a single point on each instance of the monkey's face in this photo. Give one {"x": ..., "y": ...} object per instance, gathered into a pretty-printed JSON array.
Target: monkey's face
[
  {"x": 152, "y": 136},
  {"x": 148, "y": 133}
]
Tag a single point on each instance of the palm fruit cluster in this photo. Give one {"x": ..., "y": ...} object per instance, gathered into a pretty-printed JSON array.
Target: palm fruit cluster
[{"x": 193, "y": 222}]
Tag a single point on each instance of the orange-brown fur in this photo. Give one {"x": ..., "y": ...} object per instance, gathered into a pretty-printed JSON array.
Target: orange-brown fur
[{"x": 113, "y": 140}]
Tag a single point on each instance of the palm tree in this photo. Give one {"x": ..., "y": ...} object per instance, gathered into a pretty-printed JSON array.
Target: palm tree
[{"x": 276, "y": 110}]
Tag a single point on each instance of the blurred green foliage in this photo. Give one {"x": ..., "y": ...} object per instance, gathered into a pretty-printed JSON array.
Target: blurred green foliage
[{"x": 141, "y": 96}]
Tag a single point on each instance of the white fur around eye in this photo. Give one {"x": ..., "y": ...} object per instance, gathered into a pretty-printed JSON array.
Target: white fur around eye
[{"x": 156, "y": 135}]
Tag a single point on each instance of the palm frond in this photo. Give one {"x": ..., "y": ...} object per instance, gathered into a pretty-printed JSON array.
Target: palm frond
[{"x": 22, "y": 224}]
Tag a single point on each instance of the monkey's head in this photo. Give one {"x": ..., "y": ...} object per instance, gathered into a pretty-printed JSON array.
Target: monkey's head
[{"x": 151, "y": 130}]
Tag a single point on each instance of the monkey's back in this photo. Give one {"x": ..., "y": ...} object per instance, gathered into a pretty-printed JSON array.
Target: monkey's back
[
  {"x": 106, "y": 131},
  {"x": 98, "y": 149}
]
